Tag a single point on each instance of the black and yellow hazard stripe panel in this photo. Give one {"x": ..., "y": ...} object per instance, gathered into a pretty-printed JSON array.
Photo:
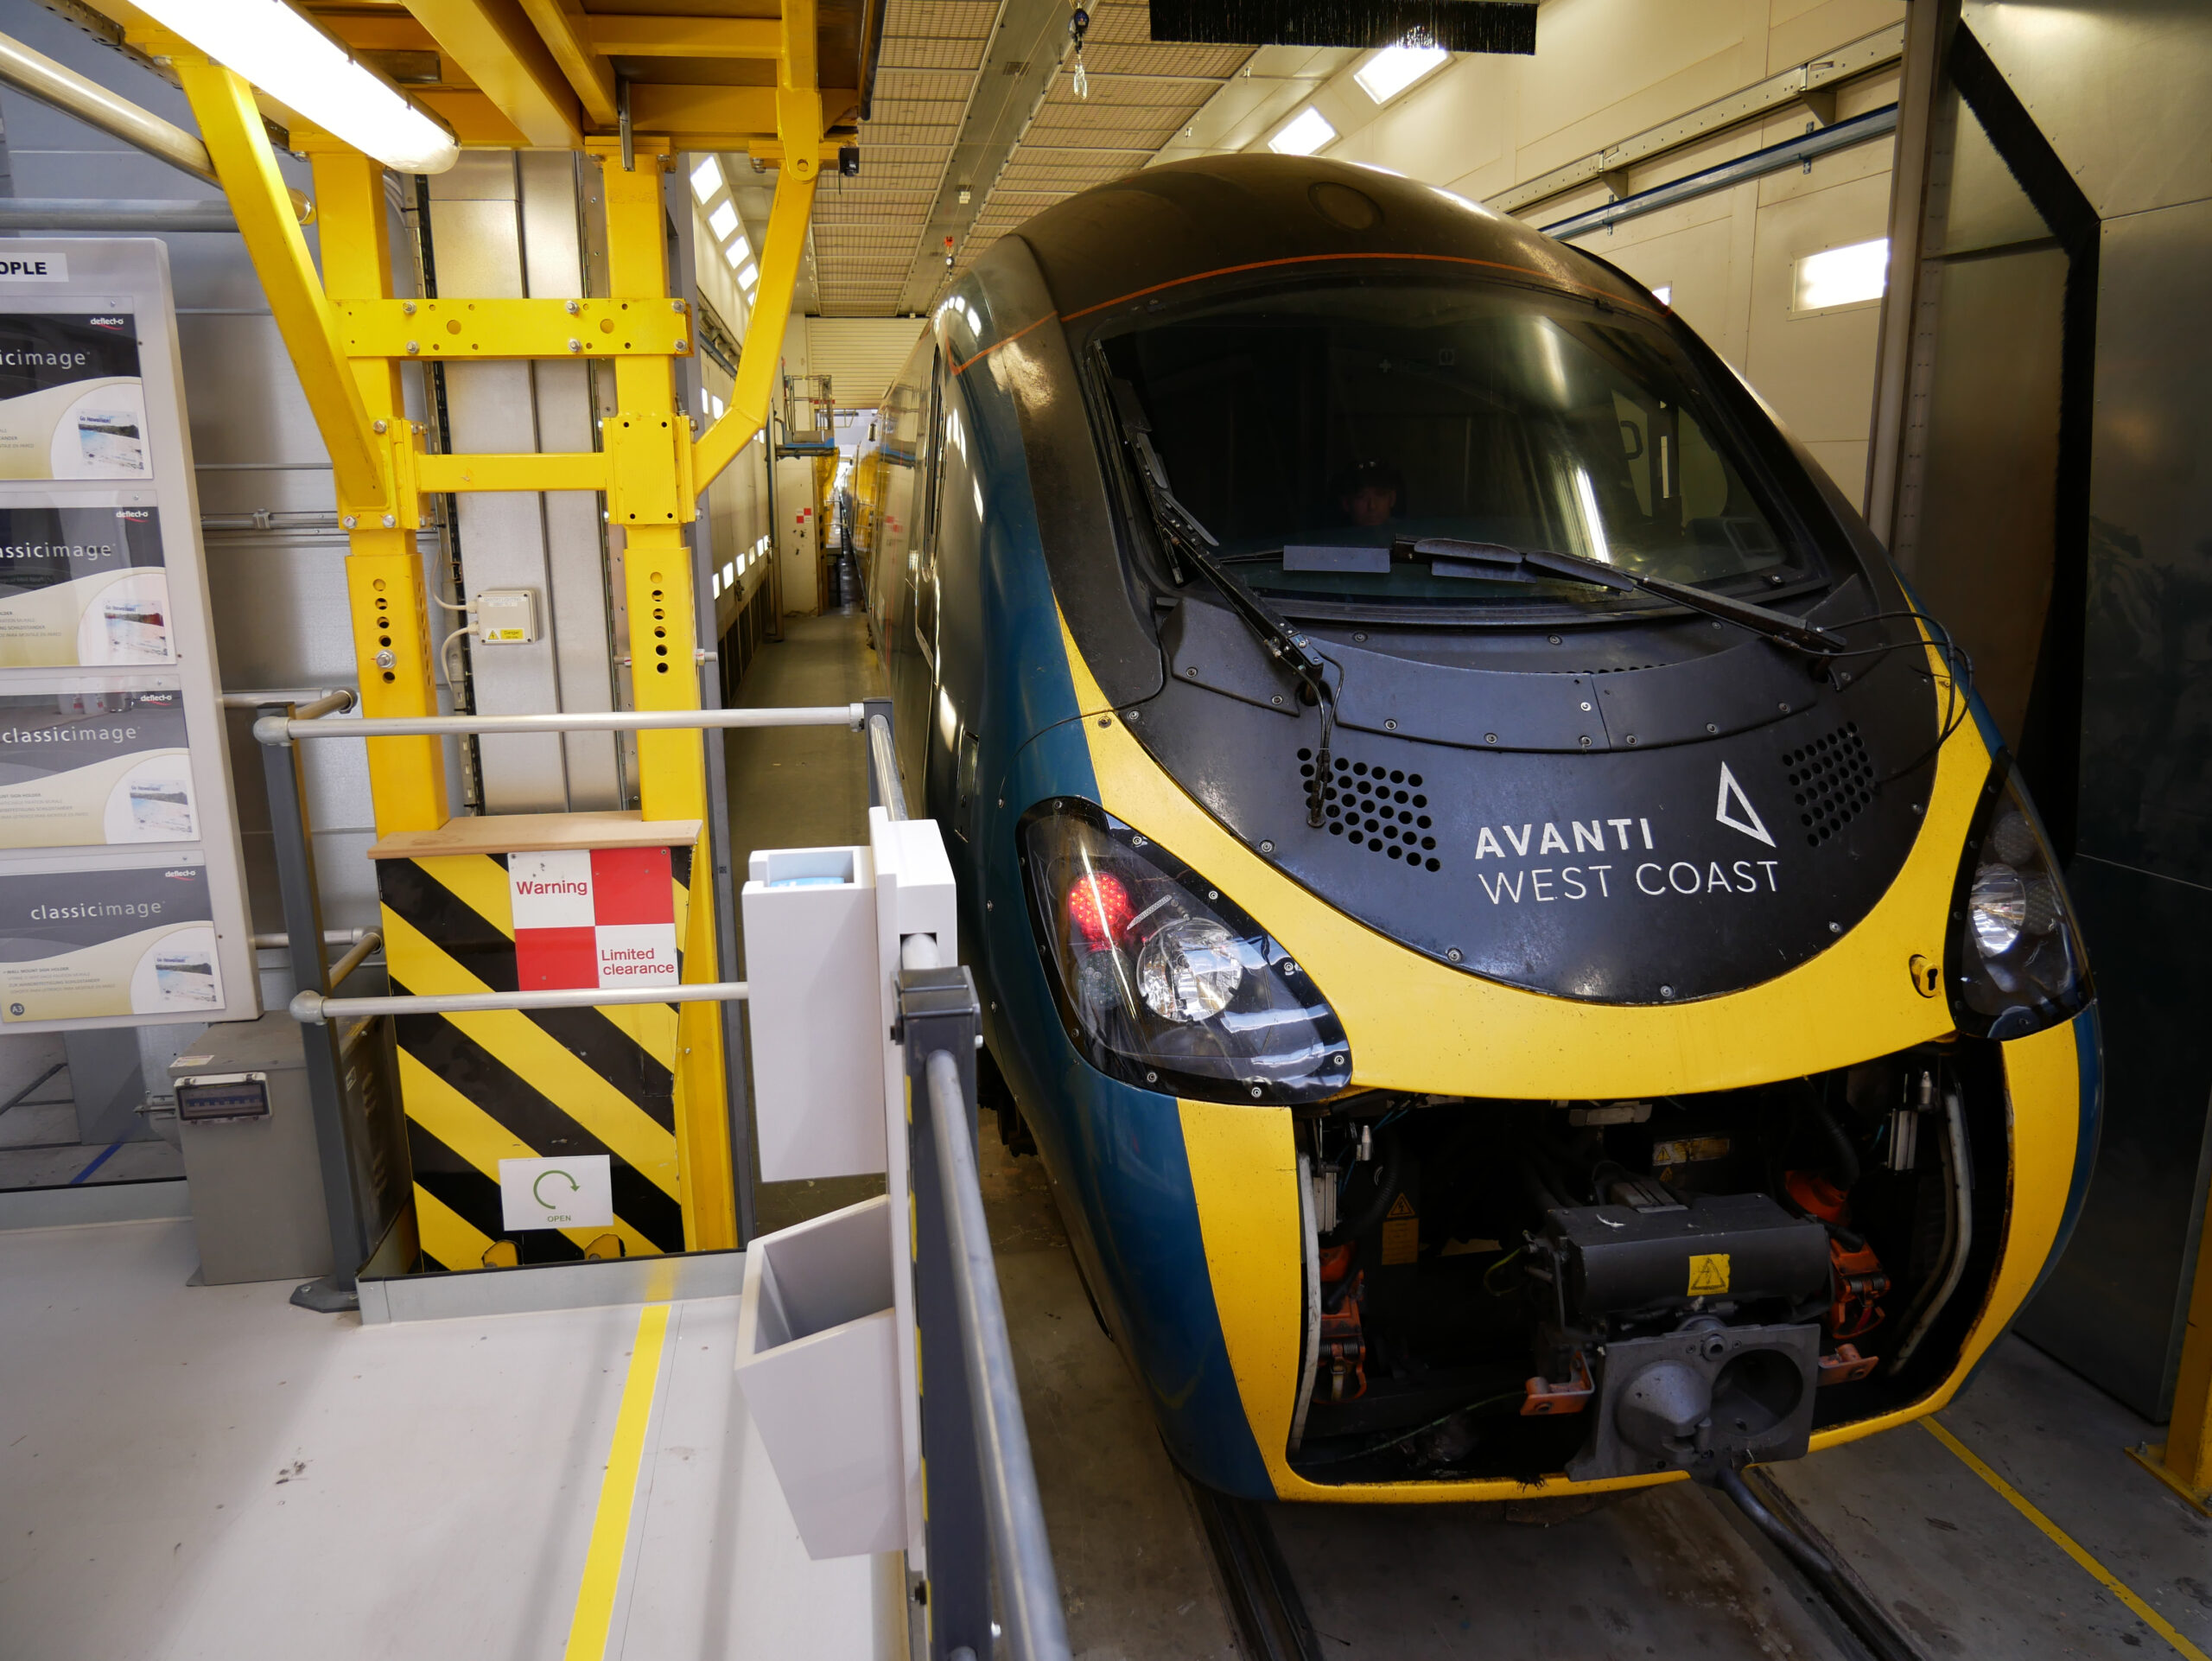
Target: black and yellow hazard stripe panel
[{"x": 484, "y": 1086}]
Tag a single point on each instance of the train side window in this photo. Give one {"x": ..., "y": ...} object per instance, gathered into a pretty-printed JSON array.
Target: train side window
[{"x": 944, "y": 440}]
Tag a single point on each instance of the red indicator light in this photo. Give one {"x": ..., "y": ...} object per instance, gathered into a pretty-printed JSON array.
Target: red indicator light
[{"x": 1099, "y": 905}]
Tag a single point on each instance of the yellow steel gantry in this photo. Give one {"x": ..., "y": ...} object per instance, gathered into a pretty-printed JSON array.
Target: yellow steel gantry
[{"x": 534, "y": 73}]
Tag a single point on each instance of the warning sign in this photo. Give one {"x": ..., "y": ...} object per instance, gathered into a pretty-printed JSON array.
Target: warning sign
[
  {"x": 1708, "y": 1274},
  {"x": 1402, "y": 1233}
]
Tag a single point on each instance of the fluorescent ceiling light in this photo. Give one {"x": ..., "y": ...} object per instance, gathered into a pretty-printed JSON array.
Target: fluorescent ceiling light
[
  {"x": 738, "y": 253},
  {"x": 748, "y": 279},
  {"x": 1664, "y": 294},
  {"x": 296, "y": 64},
  {"x": 1393, "y": 69},
  {"x": 1842, "y": 277},
  {"x": 722, "y": 221},
  {"x": 707, "y": 179},
  {"x": 1306, "y": 132}
]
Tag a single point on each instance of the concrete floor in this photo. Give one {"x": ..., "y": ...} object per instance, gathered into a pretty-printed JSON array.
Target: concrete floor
[{"x": 207, "y": 1473}]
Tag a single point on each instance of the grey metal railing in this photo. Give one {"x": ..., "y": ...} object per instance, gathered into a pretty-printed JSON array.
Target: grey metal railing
[
  {"x": 1029, "y": 1585},
  {"x": 984, "y": 1510},
  {"x": 284, "y": 720}
]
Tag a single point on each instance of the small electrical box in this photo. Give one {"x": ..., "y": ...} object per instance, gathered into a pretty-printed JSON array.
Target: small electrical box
[
  {"x": 210, "y": 1098},
  {"x": 506, "y": 616}
]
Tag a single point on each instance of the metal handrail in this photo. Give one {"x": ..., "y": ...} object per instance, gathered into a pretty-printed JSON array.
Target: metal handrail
[
  {"x": 885, "y": 759},
  {"x": 315, "y": 1006},
  {"x": 370, "y": 941},
  {"x": 279, "y": 729},
  {"x": 1029, "y": 1584}
]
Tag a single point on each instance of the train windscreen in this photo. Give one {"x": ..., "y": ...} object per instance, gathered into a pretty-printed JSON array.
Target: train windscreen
[{"x": 1317, "y": 431}]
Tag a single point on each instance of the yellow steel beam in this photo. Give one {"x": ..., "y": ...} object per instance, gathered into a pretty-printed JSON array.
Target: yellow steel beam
[
  {"x": 651, "y": 495},
  {"x": 496, "y": 47},
  {"x": 438, "y": 474},
  {"x": 798, "y": 124},
  {"x": 477, "y": 121},
  {"x": 686, "y": 37},
  {"x": 513, "y": 329},
  {"x": 230, "y": 125},
  {"x": 758, "y": 362},
  {"x": 682, "y": 111},
  {"x": 798, "y": 90},
  {"x": 384, "y": 569},
  {"x": 568, "y": 35}
]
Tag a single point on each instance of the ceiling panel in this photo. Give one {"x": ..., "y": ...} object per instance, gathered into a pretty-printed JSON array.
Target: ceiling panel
[{"x": 869, "y": 231}]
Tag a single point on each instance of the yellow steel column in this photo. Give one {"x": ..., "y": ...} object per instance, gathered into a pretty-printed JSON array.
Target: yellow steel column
[
  {"x": 357, "y": 408},
  {"x": 230, "y": 125},
  {"x": 383, "y": 571},
  {"x": 652, "y": 497},
  {"x": 2183, "y": 1461}
]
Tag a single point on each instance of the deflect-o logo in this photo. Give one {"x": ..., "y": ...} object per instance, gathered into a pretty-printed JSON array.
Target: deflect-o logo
[{"x": 34, "y": 268}]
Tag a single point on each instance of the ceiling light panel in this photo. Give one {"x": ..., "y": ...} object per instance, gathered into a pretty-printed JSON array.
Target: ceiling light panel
[
  {"x": 1303, "y": 134},
  {"x": 296, "y": 64},
  {"x": 1394, "y": 68}
]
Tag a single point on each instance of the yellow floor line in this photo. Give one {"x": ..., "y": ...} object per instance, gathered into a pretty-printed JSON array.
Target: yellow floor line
[
  {"x": 617, "y": 1491},
  {"x": 2059, "y": 1537}
]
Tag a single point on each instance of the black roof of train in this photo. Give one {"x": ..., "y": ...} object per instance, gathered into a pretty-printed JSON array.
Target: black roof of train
[{"x": 1169, "y": 225}]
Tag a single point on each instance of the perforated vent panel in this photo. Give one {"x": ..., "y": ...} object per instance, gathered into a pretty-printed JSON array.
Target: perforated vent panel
[
  {"x": 1831, "y": 780},
  {"x": 1382, "y": 810}
]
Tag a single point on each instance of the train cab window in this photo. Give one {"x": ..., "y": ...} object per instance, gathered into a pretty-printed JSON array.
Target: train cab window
[{"x": 1313, "y": 429}]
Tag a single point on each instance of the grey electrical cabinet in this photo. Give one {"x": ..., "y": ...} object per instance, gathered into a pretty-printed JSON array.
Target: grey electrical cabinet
[{"x": 250, "y": 1148}]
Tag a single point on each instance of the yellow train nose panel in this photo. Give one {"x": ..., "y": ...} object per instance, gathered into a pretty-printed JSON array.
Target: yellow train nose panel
[{"x": 1244, "y": 1172}]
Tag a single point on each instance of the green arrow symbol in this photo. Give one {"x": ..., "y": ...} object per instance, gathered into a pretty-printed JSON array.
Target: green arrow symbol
[{"x": 574, "y": 1187}]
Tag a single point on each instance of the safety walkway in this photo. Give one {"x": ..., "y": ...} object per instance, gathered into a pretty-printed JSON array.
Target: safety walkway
[{"x": 207, "y": 1473}]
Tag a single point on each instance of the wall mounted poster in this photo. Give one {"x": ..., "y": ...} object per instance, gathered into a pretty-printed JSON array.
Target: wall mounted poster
[
  {"x": 83, "y": 767},
  {"x": 122, "y": 898},
  {"x": 72, "y": 406},
  {"x": 105, "y": 944},
  {"x": 83, "y": 586}
]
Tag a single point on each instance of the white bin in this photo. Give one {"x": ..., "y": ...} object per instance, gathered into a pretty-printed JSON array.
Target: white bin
[
  {"x": 813, "y": 968},
  {"x": 818, "y": 1364}
]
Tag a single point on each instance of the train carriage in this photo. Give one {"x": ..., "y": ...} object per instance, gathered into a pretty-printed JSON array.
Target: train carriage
[{"x": 1518, "y": 948}]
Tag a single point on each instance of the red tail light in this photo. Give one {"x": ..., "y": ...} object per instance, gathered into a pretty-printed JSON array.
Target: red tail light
[{"x": 1098, "y": 903}]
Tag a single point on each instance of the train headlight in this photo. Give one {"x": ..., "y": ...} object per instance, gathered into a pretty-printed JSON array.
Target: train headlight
[
  {"x": 1189, "y": 969},
  {"x": 1162, "y": 980},
  {"x": 2015, "y": 963}
]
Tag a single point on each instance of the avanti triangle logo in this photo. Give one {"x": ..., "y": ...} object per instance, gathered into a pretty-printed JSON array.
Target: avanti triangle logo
[{"x": 1734, "y": 809}]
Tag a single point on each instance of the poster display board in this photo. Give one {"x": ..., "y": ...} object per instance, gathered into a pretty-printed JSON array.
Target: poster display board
[{"x": 122, "y": 888}]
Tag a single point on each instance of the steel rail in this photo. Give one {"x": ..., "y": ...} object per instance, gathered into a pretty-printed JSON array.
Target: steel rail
[
  {"x": 279, "y": 729},
  {"x": 1029, "y": 1584},
  {"x": 124, "y": 215},
  {"x": 312, "y": 1007},
  {"x": 1775, "y": 158},
  {"x": 885, "y": 761},
  {"x": 370, "y": 941}
]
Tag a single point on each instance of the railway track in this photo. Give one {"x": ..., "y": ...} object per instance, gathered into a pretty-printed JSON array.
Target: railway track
[{"x": 1809, "y": 1598}]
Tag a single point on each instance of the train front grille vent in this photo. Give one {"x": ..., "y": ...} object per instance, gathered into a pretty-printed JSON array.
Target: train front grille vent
[
  {"x": 1380, "y": 809},
  {"x": 1832, "y": 781}
]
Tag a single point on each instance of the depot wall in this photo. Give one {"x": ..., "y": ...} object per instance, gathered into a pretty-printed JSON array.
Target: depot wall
[{"x": 1606, "y": 69}]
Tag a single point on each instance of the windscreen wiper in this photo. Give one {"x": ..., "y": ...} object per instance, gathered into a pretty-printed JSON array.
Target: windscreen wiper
[
  {"x": 1190, "y": 542},
  {"x": 1448, "y": 557}
]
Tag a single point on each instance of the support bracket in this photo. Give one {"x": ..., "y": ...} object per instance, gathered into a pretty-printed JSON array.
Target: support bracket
[{"x": 515, "y": 328}]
